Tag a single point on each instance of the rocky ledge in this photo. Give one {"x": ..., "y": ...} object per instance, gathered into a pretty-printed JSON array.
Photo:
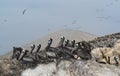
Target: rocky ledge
[{"x": 102, "y": 63}]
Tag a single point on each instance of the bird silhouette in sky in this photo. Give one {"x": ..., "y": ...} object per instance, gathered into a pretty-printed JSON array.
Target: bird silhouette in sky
[{"x": 24, "y": 11}]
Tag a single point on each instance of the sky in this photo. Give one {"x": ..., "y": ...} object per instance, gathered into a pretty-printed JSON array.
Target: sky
[{"x": 22, "y": 21}]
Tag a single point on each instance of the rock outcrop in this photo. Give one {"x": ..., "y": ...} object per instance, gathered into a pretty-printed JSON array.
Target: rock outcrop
[
  {"x": 105, "y": 41},
  {"x": 109, "y": 44}
]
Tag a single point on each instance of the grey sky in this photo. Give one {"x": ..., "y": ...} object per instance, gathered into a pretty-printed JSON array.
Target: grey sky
[{"x": 41, "y": 17}]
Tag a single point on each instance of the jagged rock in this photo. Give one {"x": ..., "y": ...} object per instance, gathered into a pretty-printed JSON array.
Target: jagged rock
[
  {"x": 92, "y": 68},
  {"x": 107, "y": 40},
  {"x": 77, "y": 68},
  {"x": 64, "y": 68}
]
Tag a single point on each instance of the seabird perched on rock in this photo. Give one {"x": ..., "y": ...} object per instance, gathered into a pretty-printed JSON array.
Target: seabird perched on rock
[
  {"x": 16, "y": 52},
  {"x": 23, "y": 53},
  {"x": 62, "y": 39},
  {"x": 75, "y": 48},
  {"x": 26, "y": 59},
  {"x": 51, "y": 51},
  {"x": 49, "y": 44},
  {"x": 66, "y": 43},
  {"x": 38, "y": 48},
  {"x": 19, "y": 53},
  {"x": 32, "y": 48},
  {"x": 71, "y": 44},
  {"x": 83, "y": 51}
]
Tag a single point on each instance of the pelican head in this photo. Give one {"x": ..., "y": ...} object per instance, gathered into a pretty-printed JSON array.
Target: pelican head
[
  {"x": 62, "y": 37},
  {"x": 33, "y": 46},
  {"x": 50, "y": 41},
  {"x": 66, "y": 42}
]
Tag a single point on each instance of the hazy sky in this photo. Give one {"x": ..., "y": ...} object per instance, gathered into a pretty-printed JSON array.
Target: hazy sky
[{"x": 41, "y": 17}]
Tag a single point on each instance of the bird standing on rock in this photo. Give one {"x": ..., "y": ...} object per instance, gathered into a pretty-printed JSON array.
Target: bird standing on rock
[
  {"x": 32, "y": 48},
  {"x": 38, "y": 48},
  {"x": 60, "y": 44}
]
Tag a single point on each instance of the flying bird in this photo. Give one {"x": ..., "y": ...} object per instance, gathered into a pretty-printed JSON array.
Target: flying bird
[{"x": 24, "y": 11}]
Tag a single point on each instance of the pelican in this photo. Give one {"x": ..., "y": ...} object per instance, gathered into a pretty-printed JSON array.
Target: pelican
[
  {"x": 16, "y": 52},
  {"x": 66, "y": 42},
  {"x": 51, "y": 51},
  {"x": 38, "y": 48},
  {"x": 32, "y": 48},
  {"x": 42, "y": 56},
  {"x": 49, "y": 44},
  {"x": 22, "y": 54},
  {"x": 75, "y": 48},
  {"x": 60, "y": 44},
  {"x": 19, "y": 53},
  {"x": 73, "y": 43},
  {"x": 83, "y": 51}
]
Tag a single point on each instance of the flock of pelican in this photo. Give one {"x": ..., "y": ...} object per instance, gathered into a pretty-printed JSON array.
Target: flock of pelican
[{"x": 65, "y": 50}]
